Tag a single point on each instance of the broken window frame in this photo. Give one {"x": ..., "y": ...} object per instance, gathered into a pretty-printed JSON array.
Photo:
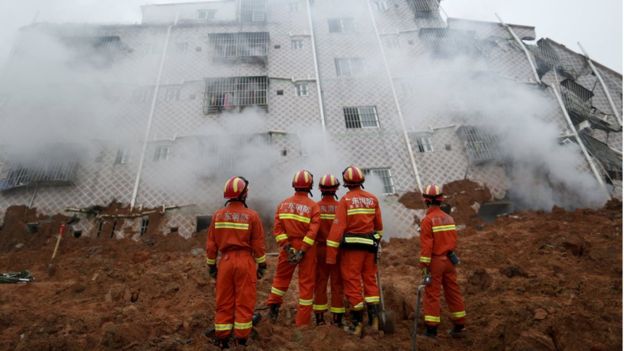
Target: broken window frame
[
  {"x": 230, "y": 93},
  {"x": 385, "y": 174},
  {"x": 361, "y": 117}
]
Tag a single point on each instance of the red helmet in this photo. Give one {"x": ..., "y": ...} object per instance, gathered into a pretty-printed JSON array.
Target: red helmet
[
  {"x": 303, "y": 180},
  {"x": 432, "y": 193},
  {"x": 235, "y": 188},
  {"x": 329, "y": 183},
  {"x": 353, "y": 176}
]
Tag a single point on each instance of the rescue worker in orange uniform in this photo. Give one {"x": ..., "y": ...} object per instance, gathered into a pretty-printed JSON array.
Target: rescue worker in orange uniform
[
  {"x": 357, "y": 231},
  {"x": 297, "y": 221},
  {"x": 324, "y": 272},
  {"x": 236, "y": 231},
  {"x": 438, "y": 240}
]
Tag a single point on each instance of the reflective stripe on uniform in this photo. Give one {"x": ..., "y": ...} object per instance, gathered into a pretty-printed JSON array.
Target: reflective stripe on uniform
[
  {"x": 304, "y": 302},
  {"x": 337, "y": 310},
  {"x": 211, "y": 261},
  {"x": 331, "y": 243},
  {"x": 371, "y": 299},
  {"x": 294, "y": 217},
  {"x": 277, "y": 291},
  {"x": 223, "y": 327},
  {"x": 281, "y": 237},
  {"x": 435, "y": 319},
  {"x": 328, "y": 216},
  {"x": 356, "y": 211},
  {"x": 320, "y": 307},
  {"x": 377, "y": 236},
  {"x": 247, "y": 325},
  {"x": 308, "y": 241},
  {"x": 457, "y": 315},
  {"x": 443, "y": 228},
  {"x": 355, "y": 240},
  {"x": 359, "y": 306},
  {"x": 261, "y": 259},
  {"x": 424, "y": 259},
  {"x": 231, "y": 225}
]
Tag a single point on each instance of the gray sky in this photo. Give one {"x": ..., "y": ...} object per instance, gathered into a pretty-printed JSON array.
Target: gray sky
[{"x": 596, "y": 24}]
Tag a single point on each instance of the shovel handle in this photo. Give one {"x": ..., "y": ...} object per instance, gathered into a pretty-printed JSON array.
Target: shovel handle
[{"x": 58, "y": 240}]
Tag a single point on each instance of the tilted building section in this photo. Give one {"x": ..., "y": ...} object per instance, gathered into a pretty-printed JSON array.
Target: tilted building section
[{"x": 203, "y": 62}]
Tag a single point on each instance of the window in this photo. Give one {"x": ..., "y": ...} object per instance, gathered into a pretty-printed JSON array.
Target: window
[
  {"x": 384, "y": 175},
  {"x": 253, "y": 10},
  {"x": 424, "y": 8},
  {"x": 391, "y": 41},
  {"x": 171, "y": 94},
  {"x": 301, "y": 89},
  {"x": 349, "y": 67},
  {"x": 229, "y": 93},
  {"x": 381, "y": 5},
  {"x": 144, "y": 224},
  {"x": 296, "y": 44},
  {"x": 206, "y": 14},
  {"x": 480, "y": 146},
  {"x": 52, "y": 170},
  {"x": 293, "y": 6},
  {"x": 122, "y": 156},
  {"x": 341, "y": 25},
  {"x": 361, "y": 117},
  {"x": 161, "y": 153},
  {"x": 182, "y": 46},
  {"x": 141, "y": 94},
  {"x": 240, "y": 45},
  {"x": 423, "y": 142}
]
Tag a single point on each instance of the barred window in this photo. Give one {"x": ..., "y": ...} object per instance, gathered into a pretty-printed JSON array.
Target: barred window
[
  {"x": 161, "y": 153},
  {"x": 51, "y": 171},
  {"x": 240, "y": 45},
  {"x": 122, "y": 156},
  {"x": 423, "y": 142},
  {"x": 341, "y": 25},
  {"x": 381, "y": 5},
  {"x": 385, "y": 176},
  {"x": 361, "y": 117},
  {"x": 480, "y": 146},
  {"x": 253, "y": 10},
  {"x": 236, "y": 92},
  {"x": 296, "y": 44},
  {"x": 349, "y": 67},
  {"x": 301, "y": 89}
]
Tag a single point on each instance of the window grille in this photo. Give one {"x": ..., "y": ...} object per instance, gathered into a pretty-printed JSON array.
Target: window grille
[
  {"x": 236, "y": 92},
  {"x": 240, "y": 45},
  {"x": 423, "y": 142},
  {"x": 349, "y": 67},
  {"x": 49, "y": 172},
  {"x": 480, "y": 147},
  {"x": 122, "y": 156},
  {"x": 341, "y": 25},
  {"x": 385, "y": 176},
  {"x": 381, "y": 5},
  {"x": 580, "y": 91},
  {"x": 296, "y": 44},
  {"x": 253, "y": 11},
  {"x": 144, "y": 224},
  {"x": 361, "y": 117},
  {"x": 301, "y": 89},
  {"x": 424, "y": 8},
  {"x": 161, "y": 153}
]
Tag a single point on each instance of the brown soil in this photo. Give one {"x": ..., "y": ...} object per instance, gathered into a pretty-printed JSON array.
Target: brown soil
[
  {"x": 461, "y": 195},
  {"x": 532, "y": 281}
]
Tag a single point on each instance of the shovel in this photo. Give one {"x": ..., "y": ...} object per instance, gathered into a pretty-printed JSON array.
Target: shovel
[
  {"x": 386, "y": 318},
  {"x": 51, "y": 265},
  {"x": 421, "y": 287}
]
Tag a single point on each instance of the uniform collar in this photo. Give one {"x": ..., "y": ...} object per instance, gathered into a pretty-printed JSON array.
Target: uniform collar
[
  {"x": 432, "y": 209},
  {"x": 301, "y": 193},
  {"x": 235, "y": 204}
]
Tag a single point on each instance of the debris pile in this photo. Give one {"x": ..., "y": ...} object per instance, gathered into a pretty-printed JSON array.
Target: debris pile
[{"x": 531, "y": 280}]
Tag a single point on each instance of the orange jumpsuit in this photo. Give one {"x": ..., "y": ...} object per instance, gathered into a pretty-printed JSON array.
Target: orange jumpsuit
[
  {"x": 297, "y": 221},
  {"x": 438, "y": 236},
  {"x": 237, "y": 232},
  {"x": 324, "y": 271},
  {"x": 358, "y": 219}
]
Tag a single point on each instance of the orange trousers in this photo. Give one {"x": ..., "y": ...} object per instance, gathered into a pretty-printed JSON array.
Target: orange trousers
[
  {"x": 281, "y": 281},
  {"x": 443, "y": 275},
  {"x": 325, "y": 272},
  {"x": 359, "y": 269},
  {"x": 236, "y": 294}
]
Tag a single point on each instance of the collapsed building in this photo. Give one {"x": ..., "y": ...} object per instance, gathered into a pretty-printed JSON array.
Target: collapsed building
[{"x": 350, "y": 70}]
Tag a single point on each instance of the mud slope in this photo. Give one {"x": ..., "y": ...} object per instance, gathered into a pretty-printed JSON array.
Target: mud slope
[{"x": 532, "y": 281}]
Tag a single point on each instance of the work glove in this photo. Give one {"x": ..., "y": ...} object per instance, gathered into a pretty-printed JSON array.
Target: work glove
[
  {"x": 298, "y": 256},
  {"x": 426, "y": 276},
  {"x": 262, "y": 267},
  {"x": 212, "y": 270}
]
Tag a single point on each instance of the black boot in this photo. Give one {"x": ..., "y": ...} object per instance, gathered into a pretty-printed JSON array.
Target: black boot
[
  {"x": 241, "y": 342},
  {"x": 274, "y": 312},
  {"x": 320, "y": 318},
  {"x": 223, "y": 343},
  {"x": 337, "y": 319},
  {"x": 457, "y": 331},
  {"x": 357, "y": 327},
  {"x": 373, "y": 316},
  {"x": 431, "y": 331}
]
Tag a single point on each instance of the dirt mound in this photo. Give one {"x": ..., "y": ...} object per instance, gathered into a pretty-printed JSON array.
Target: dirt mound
[
  {"x": 531, "y": 280},
  {"x": 464, "y": 197}
]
